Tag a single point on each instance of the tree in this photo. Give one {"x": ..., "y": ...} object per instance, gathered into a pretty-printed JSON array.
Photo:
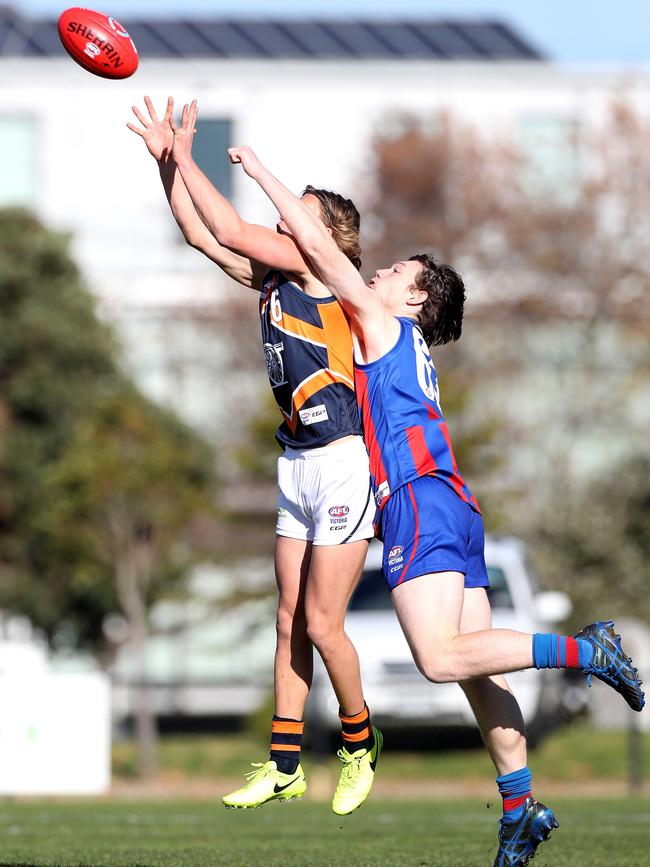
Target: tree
[
  {"x": 100, "y": 487},
  {"x": 595, "y": 542},
  {"x": 55, "y": 358},
  {"x": 123, "y": 496},
  {"x": 558, "y": 316}
]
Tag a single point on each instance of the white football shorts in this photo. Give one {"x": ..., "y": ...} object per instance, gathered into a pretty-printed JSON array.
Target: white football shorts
[{"x": 325, "y": 494}]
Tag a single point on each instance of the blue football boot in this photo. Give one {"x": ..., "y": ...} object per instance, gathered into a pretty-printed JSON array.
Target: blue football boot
[
  {"x": 521, "y": 834},
  {"x": 610, "y": 664}
]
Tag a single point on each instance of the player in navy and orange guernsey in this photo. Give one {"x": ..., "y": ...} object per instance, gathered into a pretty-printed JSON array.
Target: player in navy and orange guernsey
[
  {"x": 429, "y": 521},
  {"x": 325, "y": 509}
]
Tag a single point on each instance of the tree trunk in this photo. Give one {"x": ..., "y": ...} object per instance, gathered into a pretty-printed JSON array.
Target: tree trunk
[
  {"x": 130, "y": 592},
  {"x": 145, "y": 722}
]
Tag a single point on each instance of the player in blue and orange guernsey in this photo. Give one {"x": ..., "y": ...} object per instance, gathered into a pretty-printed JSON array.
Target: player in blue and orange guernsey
[
  {"x": 429, "y": 521},
  {"x": 325, "y": 509}
]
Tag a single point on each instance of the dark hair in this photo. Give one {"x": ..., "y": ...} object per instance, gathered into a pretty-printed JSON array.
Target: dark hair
[
  {"x": 441, "y": 315},
  {"x": 341, "y": 216}
]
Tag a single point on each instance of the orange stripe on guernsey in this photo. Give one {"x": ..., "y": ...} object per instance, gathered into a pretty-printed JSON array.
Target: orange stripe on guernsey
[
  {"x": 360, "y": 717},
  {"x": 339, "y": 341},
  {"x": 302, "y": 329},
  {"x": 334, "y": 335},
  {"x": 291, "y": 748},
  {"x": 287, "y": 728},
  {"x": 359, "y": 736},
  {"x": 309, "y": 387}
]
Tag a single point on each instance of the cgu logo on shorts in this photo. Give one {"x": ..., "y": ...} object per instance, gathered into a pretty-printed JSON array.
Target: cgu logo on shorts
[{"x": 395, "y": 557}]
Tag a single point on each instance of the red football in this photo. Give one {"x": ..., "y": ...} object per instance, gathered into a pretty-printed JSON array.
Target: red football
[{"x": 98, "y": 42}]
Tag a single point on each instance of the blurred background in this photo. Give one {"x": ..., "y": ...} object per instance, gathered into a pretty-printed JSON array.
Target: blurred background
[{"x": 137, "y": 458}]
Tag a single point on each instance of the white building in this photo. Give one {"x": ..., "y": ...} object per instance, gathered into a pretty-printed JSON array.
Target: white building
[{"x": 308, "y": 95}]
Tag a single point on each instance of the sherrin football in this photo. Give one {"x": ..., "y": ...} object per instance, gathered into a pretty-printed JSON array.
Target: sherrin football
[{"x": 98, "y": 42}]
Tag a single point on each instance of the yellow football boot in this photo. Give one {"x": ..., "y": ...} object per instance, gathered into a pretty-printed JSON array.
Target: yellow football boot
[
  {"x": 357, "y": 776},
  {"x": 266, "y": 784}
]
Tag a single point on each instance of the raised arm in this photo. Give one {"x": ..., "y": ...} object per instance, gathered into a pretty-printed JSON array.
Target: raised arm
[
  {"x": 159, "y": 137},
  {"x": 368, "y": 319},
  {"x": 257, "y": 243}
]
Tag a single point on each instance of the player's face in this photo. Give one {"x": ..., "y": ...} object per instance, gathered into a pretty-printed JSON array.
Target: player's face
[
  {"x": 314, "y": 206},
  {"x": 393, "y": 284}
]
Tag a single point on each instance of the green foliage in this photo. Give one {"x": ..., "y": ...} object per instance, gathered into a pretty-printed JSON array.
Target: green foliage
[
  {"x": 553, "y": 364},
  {"x": 85, "y": 460},
  {"x": 594, "y": 541},
  {"x": 55, "y": 359},
  {"x": 257, "y": 455},
  {"x": 129, "y": 484}
]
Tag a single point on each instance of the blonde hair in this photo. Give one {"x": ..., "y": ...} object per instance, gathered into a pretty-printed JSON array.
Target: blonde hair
[{"x": 341, "y": 216}]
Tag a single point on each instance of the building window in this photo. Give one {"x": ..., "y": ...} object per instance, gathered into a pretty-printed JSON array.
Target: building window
[
  {"x": 18, "y": 160},
  {"x": 549, "y": 145},
  {"x": 210, "y": 151}
]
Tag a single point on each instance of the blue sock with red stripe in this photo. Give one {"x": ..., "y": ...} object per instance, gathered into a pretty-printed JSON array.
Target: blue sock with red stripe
[
  {"x": 561, "y": 651},
  {"x": 514, "y": 789}
]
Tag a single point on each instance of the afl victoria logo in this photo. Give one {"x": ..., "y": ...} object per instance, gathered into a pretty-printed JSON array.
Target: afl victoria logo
[
  {"x": 395, "y": 552},
  {"x": 339, "y": 511},
  {"x": 274, "y": 363}
]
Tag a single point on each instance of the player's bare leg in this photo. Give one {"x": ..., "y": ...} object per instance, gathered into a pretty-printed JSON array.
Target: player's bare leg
[
  {"x": 334, "y": 573},
  {"x": 281, "y": 777},
  {"x": 496, "y": 709},
  {"x": 293, "y": 668},
  {"x": 525, "y": 823},
  {"x": 429, "y": 608}
]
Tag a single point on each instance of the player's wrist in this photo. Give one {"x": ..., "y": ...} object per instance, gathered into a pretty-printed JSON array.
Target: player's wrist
[{"x": 166, "y": 162}]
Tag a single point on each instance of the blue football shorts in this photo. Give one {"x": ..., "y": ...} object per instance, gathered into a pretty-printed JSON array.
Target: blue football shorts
[{"x": 426, "y": 527}]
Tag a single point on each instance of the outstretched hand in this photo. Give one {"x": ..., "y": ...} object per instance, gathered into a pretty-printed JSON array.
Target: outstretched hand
[
  {"x": 248, "y": 159},
  {"x": 157, "y": 134},
  {"x": 184, "y": 134}
]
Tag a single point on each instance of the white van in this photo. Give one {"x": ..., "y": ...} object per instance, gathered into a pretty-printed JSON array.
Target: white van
[{"x": 399, "y": 695}]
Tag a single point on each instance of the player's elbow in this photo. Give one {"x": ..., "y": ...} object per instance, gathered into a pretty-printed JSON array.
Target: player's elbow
[
  {"x": 231, "y": 234},
  {"x": 315, "y": 247},
  {"x": 193, "y": 241}
]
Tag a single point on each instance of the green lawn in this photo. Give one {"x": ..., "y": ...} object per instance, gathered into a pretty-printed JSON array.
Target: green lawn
[
  {"x": 576, "y": 753},
  {"x": 386, "y": 833}
]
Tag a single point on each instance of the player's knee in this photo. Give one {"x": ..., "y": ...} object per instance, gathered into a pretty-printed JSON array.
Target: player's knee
[
  {"x": 322, "y": 630},
  {"x": 287, "y": 622},
  {"x": 437, "y": 668}
]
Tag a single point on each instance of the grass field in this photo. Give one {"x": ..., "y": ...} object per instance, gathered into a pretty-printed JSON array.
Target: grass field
[
  {"x": 382, "y": 834},
  {"x": 576, "y": 754}
]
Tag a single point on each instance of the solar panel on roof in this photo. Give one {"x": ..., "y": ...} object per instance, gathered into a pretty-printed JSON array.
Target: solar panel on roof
[
  {"x": 22, "y": 35},
  {"x": 44, "y": 35},
  {"x": 404, "y": 40},
  {"x": 186, "y": 38},
  {"x": 488, "y": 40},
  {"x": 229, "y": 40},
  {"x": 312, "y": 36},
  {"x": 290, "y": 39},
  {"x": 274, "y": 39},
  {"x": 359, "y": 39},
  {"x": 149, "y": 41},
  {"x": 448, "y": 42},
  {"x": 521, "y": 48},
  {"x": 5, "y": 29}
]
